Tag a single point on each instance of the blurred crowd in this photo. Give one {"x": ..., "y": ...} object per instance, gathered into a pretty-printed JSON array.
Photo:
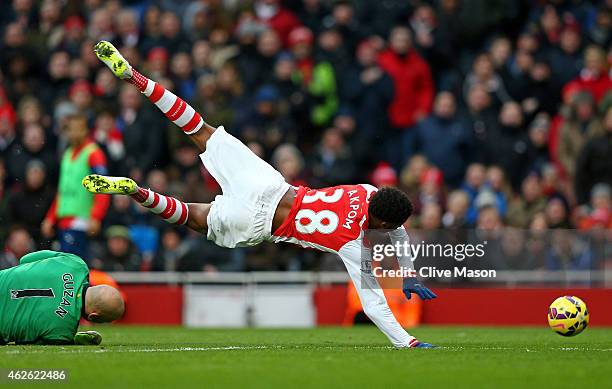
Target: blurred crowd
[{"x": 493, "y": 115}]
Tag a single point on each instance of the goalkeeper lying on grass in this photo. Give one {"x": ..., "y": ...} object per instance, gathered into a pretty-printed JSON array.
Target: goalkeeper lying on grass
[{"x": 44, "y": 297}]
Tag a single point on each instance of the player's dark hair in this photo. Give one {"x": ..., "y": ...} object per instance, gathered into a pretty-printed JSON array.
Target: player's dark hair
[{"x": 390, "y": 205}]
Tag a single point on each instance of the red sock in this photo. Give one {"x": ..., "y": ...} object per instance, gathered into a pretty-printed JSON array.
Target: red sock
[
  {"x": 170, "y": 209},
  {"x": 175, "y": 109}
]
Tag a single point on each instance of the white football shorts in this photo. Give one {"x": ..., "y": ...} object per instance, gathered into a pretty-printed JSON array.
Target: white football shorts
[{"x": 242, "y": 215}]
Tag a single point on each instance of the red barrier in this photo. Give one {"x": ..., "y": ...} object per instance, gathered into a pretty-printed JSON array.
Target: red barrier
[
  {"x": 490, "y": 306},
  {"x": 330, "y": 303},
  {"x": 510, "y": 306},
  {"x": 161, "y": 304},
  {"x": 153, "y": 304}
]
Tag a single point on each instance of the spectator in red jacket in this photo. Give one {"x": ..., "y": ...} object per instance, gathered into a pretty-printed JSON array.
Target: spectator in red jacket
[
  {"x": 414, "y": 92},
  {"x": 594, "y": 76},
  {"x": 279, "y": 18},
  {"x": 8, "y": 118},
  {"x": 300, "y": 43}
]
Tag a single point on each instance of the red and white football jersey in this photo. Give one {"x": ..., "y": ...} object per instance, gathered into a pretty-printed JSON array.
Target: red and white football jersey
[{"x": 327, "y": 218}]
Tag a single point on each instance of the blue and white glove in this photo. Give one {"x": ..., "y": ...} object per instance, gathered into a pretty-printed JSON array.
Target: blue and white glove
[{"x": 413, "y": 285}]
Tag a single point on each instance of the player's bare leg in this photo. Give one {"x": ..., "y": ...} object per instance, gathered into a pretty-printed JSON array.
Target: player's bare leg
[
  {"x": 174, "y": 211},
  {"x": 175, "y": 109}
]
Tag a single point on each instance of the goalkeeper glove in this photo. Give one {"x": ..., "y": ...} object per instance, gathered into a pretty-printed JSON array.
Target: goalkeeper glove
[{"x": 88, "y": 338}]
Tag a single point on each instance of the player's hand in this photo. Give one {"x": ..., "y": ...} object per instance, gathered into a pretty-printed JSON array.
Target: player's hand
[
  {"x": 94, "y": 227},
  {"x": 46, "y": 228},
  {"x": 412, "y": 285},
  {"x": 88, "y": 338}
]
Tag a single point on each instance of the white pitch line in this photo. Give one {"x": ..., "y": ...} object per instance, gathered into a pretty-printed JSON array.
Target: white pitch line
[
  {"x": 95, "y": 350},
  {"x": 181, "y": 349},
  {"x": 92, "y": 350},
  {"x": 137, "y": 350},
  {"x": 582, "y": 349},
  {"x": 529, "y": 350}
]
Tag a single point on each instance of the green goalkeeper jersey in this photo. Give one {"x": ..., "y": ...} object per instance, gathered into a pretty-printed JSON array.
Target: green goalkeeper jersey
[{"x": 41, "y": 298}]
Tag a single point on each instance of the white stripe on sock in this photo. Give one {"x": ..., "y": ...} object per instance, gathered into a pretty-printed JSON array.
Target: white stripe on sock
[
  {"x": 185, "y": 117},
  {"x": 161, "y": 206},
  {"x": 149, "y": 89},
  {"x": 167, "y": 101},
  {"x": 197, "y": 128},
  {"x": 149, "y": 199}
]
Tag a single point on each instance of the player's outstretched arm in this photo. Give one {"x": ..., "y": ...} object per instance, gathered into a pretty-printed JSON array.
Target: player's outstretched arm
[
  {"x": 170, "y": 209},
  {"x": 399, "y": 238},
  {"x": 175, "y": 108},
  {"x": 357, "y": 259}
]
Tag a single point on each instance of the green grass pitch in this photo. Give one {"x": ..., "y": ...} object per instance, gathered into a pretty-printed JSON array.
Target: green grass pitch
[{"x": 359, "y": 357}]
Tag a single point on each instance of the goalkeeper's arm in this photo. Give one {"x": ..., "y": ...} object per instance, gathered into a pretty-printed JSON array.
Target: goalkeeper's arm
[
  {"x": 83, "y": 338},
  {"x": 88, "y": 338}
]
